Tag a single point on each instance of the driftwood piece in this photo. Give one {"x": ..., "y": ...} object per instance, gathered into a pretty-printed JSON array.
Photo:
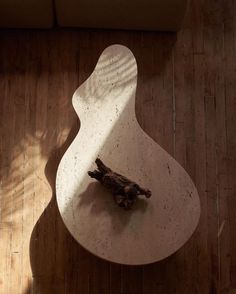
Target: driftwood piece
[{"x": 124, "y": 190}]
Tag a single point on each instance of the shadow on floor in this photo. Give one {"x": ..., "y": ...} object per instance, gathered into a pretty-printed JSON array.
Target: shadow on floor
[{"x": 54, "y": 255}]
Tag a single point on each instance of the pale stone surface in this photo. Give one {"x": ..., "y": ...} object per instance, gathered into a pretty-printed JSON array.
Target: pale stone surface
[{"x": 156, "y": 227}]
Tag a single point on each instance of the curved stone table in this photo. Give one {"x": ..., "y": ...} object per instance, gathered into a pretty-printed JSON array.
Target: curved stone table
[{"x": 155, "y": 228}]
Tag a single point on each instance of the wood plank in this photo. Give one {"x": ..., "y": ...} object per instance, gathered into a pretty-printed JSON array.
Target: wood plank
[
  {"x": 197, "y": 25},
  {"x": 30, "y": 178},
  {"x": 200, "y": 175},
  {"x": 17, "y": 165},
  {"x": 7, "y": 127},
  {"x": 221, "y": 153},
  {"x": 214, "y": 94},
  {"x": 155, "y": 97},
  {"x": 115, "y": 279},
  {"x": 100, "y": 278},
  {"x": 186, "y": 258},
  {"x": 229, "y": 282},
  {"x": 5, "y": 268},
  {"x": 212, "y": 194},
  {"x": 131, "y": 279}
]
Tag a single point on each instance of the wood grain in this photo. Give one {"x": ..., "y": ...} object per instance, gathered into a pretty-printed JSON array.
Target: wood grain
[{"x": 185, "y": 101}]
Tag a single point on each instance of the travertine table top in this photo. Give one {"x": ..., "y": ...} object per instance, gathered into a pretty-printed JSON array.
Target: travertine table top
[{"x": 156, "y": 227}]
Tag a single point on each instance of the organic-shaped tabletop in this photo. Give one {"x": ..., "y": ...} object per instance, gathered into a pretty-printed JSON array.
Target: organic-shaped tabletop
[{"x": 154, "y": 228}]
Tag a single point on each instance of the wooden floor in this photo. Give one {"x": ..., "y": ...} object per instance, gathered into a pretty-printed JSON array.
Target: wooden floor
[{"x": 186, "y": 101}]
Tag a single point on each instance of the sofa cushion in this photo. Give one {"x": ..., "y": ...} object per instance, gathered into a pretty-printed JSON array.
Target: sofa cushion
[
  {"x": 164, "y": 15},
  {"x": 26, "y": 13}
]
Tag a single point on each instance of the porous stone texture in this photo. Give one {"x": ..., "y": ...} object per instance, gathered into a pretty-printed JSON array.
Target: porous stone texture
[{"x": 153, "y": 229}]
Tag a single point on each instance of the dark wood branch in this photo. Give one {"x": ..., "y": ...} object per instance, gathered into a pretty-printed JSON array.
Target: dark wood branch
[{"x": 125, "y": 191}]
